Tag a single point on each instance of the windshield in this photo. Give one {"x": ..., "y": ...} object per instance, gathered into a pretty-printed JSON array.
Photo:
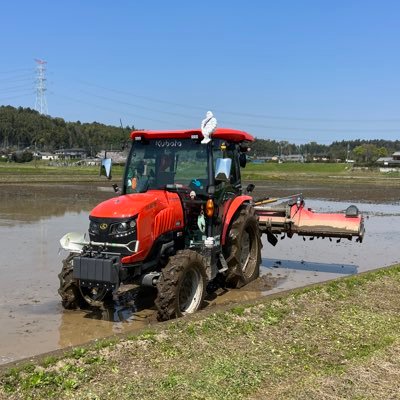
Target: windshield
[{"x": 166, "y": 163}]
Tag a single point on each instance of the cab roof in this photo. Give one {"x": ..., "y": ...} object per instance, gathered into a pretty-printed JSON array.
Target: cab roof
[{"x": 220, "y": 133}]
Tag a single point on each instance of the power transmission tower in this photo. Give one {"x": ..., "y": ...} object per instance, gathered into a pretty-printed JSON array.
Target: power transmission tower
[{"x": 41, "y": 102}]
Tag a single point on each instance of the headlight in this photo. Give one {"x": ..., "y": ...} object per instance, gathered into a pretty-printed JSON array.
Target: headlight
[
  {"x": 121, "y": 229},
  {"x": 94, "y": 227}
]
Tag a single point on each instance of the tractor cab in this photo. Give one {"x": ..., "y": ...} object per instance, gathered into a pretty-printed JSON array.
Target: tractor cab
[
  {"x": 172, "y": 160},
  {"x": 206, "y": 176},
  {"x": 166, "y": 164}
]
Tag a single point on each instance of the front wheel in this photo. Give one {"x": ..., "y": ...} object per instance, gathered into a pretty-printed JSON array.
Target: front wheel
[
  {"x": 181, "y": 286},
  {"x": 94, "y": 297},
  {"x": 72, "y": 295}
]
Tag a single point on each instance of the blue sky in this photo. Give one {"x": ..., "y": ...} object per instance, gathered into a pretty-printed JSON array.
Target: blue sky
[{"x": 299, "y": 71}]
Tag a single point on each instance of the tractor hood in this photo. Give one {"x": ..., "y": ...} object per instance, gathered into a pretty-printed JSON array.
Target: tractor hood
[
  {"x": 128, "y": 205},
  {"x": 157, "y": 212}
]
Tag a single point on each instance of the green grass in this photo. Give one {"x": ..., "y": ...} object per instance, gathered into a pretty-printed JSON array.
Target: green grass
[
  {"x": 41, "y": 172},
  {"x": 329, "y": 341},
  {"x": 312, "y": 171},
  {"x": 315, "y": 168}
]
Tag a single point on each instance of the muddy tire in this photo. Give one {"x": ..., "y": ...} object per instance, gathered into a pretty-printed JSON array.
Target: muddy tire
[
  {"x": 243, "y": 249},
  {"x": 71, "y": 297},
  {"x": 181, "y": 286}
]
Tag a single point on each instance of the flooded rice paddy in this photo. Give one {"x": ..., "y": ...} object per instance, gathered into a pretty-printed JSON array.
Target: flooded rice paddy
[{"x": 33, "y": 218}]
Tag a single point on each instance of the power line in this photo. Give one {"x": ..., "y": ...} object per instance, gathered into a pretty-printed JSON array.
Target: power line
[
  {"x": 237, "y": 113},
  {"x": 140, "y": 106},
  {"x": 263, "y": 126},
  {"x": 227, "y": 123},
  {"x": 17, "y": 78},
  {"x": 15, "y": 70},
  {"x": 144, "y": 97},
  {"x": 320, "y": 129},
  {"x": 118, "y": 112},
  {"x": 15, "y": 87},
  {"x": 16, "y": 97}
]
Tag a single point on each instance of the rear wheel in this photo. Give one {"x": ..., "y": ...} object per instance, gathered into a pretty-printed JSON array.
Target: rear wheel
[
  {"x": 181, "y": 286},
  {"x": 243, "y": 249}
]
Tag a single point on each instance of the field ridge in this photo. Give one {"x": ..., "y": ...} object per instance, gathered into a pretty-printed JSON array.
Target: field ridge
[{"x": 338, "y": 340}]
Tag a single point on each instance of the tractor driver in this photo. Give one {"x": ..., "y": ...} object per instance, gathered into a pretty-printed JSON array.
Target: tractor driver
[
  {"x": 166, "y": 163},
  {"x": 165, "y": 169},
  {"x": 140, "y": 182}
]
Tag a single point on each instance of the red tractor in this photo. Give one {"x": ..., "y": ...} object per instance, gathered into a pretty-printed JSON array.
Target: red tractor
[{"x": 182, "y": 224}]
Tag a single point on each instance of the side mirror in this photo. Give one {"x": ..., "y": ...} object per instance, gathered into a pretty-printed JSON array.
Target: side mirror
[
  {"x": 105, "y": 167},
  {"x": 242, "y": 159},
  {"x": 250, "y": 187},
  {"x": 223, "y": 169}
]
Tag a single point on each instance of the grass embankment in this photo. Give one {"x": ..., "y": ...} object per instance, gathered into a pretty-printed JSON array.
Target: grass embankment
[
  {"x": 315, "y": 172},
  {"x": 339, "y": 340},
  {"x": 40, "y": 172}
]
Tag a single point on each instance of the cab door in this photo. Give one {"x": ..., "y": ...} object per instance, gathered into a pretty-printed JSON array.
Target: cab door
[{"x": 226, "y": 192}]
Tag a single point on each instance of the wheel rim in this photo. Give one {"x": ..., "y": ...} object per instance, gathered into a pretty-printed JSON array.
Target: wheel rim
[
  {"x": 190, "y": 293},
  {"x": 93, "y": 296},
  {"x": 247, "y": 252}
]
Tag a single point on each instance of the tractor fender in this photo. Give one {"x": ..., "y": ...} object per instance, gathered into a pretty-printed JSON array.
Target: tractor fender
[{"x": 234, "y": 206}]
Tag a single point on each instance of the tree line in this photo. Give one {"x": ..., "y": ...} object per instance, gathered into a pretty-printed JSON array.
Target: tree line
[
  {"x": 361, "y": 151},
  {"x": 22, "y": 128}
]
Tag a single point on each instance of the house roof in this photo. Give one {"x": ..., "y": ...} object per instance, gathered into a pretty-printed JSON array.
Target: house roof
[
  {"x": 71, "y": 151},
  {"x": 294, "y": 156},
  {"x": 382, "y": 159},
  {"x": 388, "y": 160}
]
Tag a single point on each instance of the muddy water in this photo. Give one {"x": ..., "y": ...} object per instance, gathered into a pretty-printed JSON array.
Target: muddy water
[{"x": 33, "y": 218}]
